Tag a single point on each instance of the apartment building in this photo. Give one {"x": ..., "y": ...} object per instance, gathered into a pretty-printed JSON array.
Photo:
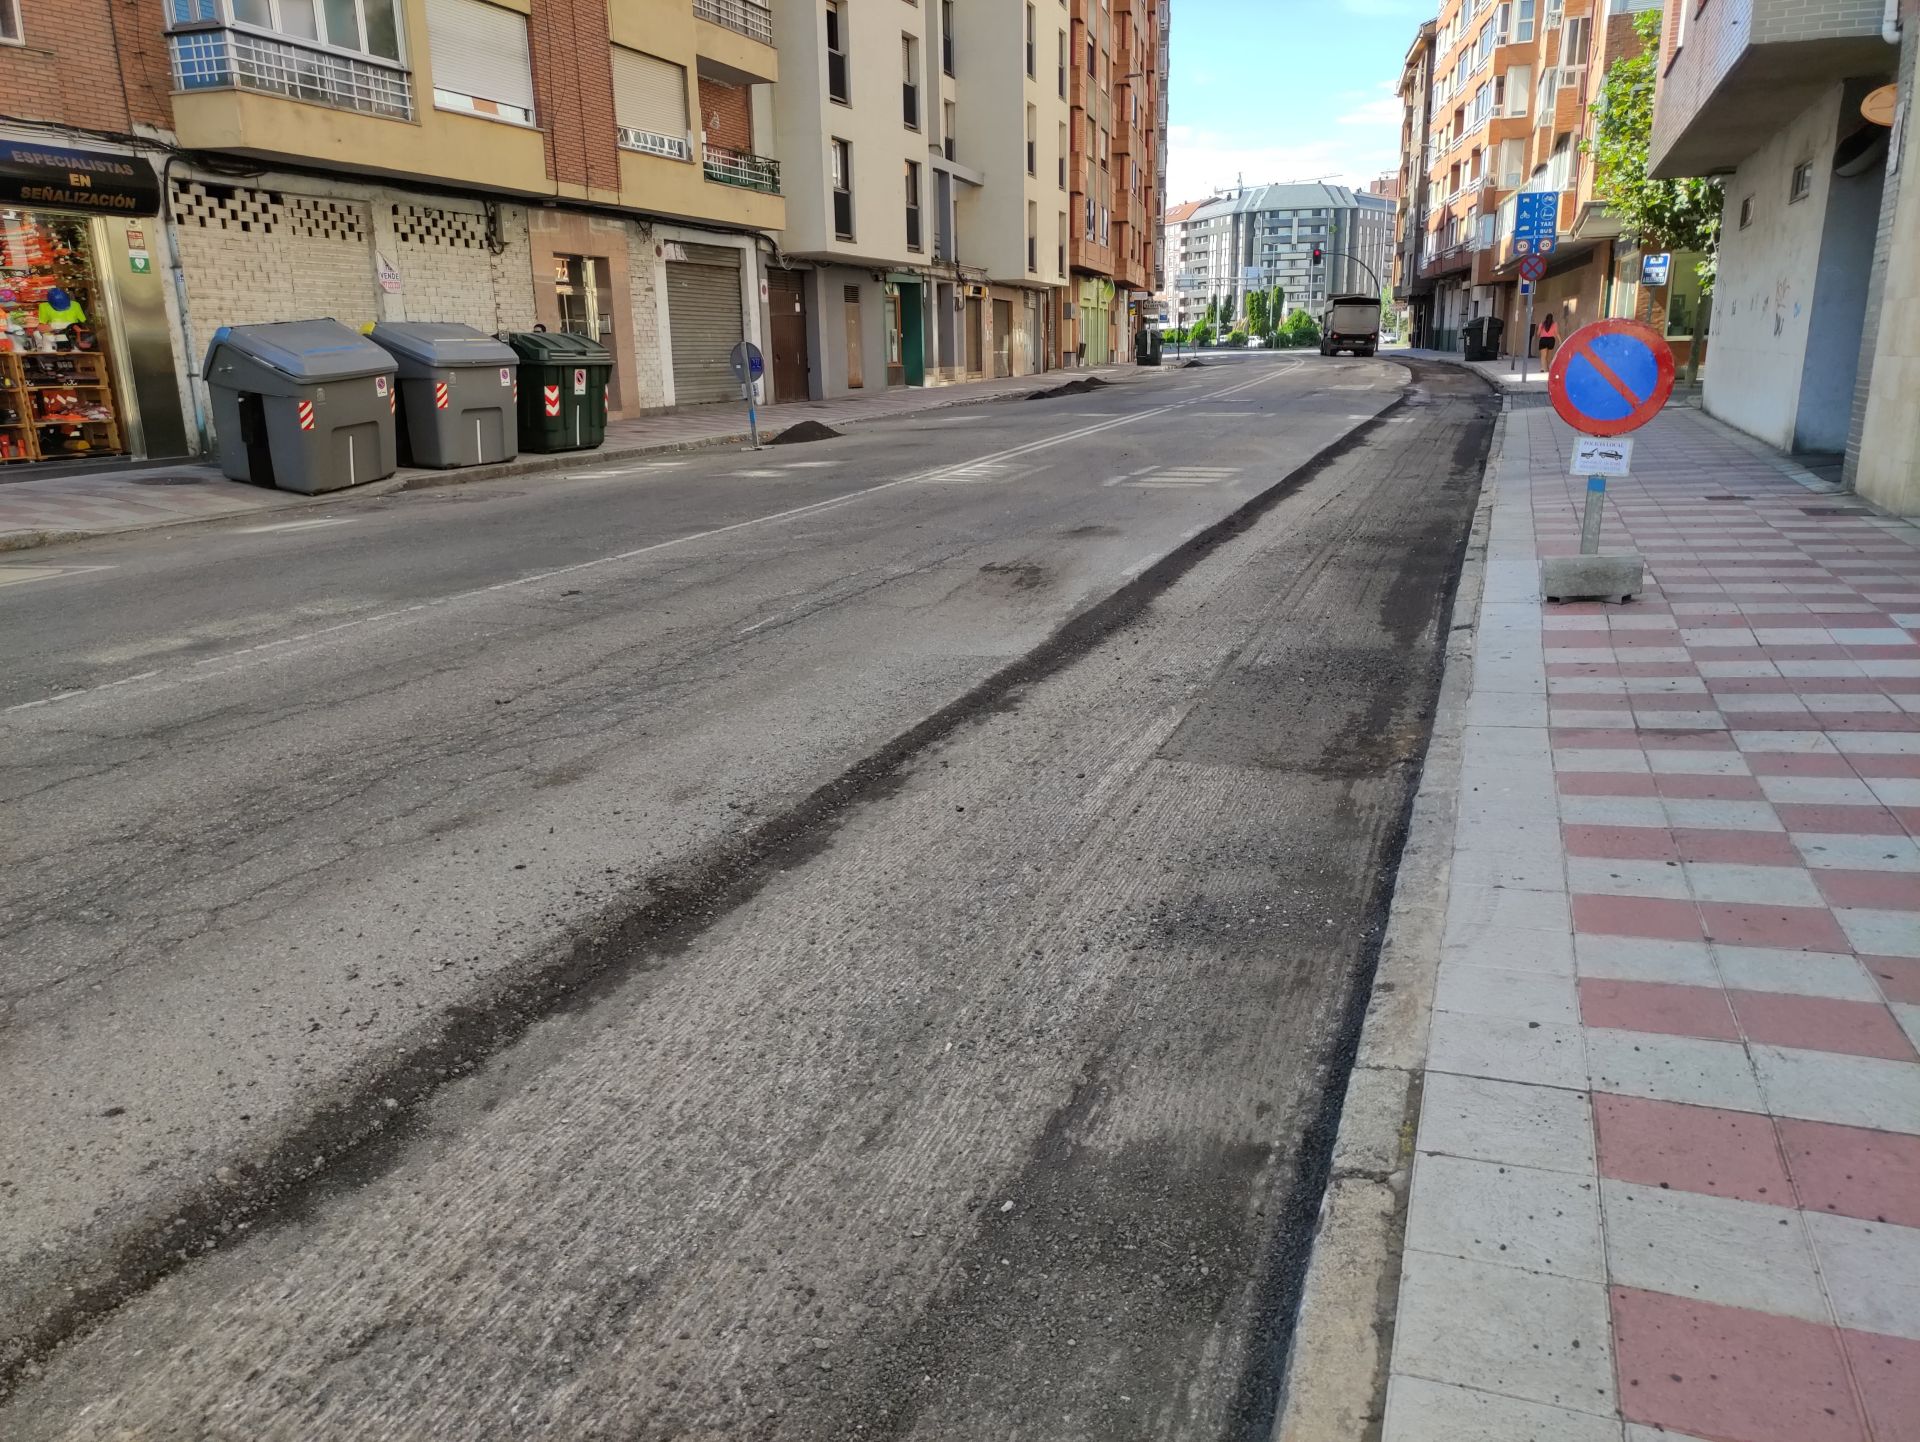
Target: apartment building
[
  {"x": 1117, "y": 69},
  {"x": 1412, "y": 288},
  {"x": 1182, "y": 300},
  {"x": 586, "y": 166},
  {"x": 1797, "y": 106},
  {"x": 1006, "y": 91},
  {"x": 1256, "y": 237},
  {"x": 1513, "y": 95}
]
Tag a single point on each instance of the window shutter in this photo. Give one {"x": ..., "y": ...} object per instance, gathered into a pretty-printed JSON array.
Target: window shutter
[
  {"x": 480, "y": 50},
  {"x": 649, "y": 94}
]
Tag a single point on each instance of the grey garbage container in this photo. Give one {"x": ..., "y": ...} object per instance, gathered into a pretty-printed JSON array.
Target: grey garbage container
[
  {"x": 456, "y": 393},
  {"x": 304, "y": 405}
]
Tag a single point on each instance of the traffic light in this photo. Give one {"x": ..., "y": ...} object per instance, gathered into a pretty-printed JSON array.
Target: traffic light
[{"x": 1318, "y": 255}]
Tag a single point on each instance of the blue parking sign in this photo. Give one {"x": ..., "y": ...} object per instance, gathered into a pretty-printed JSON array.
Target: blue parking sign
[{"x": 1536, "y": 213}]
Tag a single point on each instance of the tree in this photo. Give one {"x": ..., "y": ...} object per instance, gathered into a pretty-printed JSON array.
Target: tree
[
  {"x": 1674, "y": 214},
  {"x": 1300, "y": 329},
  {"x": 1257, "y": 322}
]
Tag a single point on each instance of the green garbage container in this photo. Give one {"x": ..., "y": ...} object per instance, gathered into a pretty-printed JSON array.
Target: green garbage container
[{"x": 563, "y": 390}]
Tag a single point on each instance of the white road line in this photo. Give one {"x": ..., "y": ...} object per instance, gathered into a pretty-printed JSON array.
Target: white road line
[
  {"x": 806, "y": 465},
  {"x": 21, "y": 575},
  {"x": 294, "y": 526},
  {"x": 194, "y": 670},
  {"x": 756, "y": 476}
]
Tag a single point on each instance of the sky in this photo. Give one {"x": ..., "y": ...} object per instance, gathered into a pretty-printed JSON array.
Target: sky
[{"x": 1285, "y": 90}]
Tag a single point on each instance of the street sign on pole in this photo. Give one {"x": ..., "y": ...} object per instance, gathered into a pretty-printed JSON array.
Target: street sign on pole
[
  {"x": 748, "y": 366},
  {"x": 1609, "y": 378},
  {"x": 1536, "y": 213},
  {"x": 1533, "y": 267},
  {"x": 1656, "y": 269}
]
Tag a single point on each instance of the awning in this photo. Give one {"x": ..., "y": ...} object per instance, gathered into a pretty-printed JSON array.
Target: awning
[{"x": 35, "y": 175}]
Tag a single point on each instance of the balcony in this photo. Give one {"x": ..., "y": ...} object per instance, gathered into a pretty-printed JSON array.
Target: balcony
[
  {"x": 743, "y": 17},
  {"x": 1745, "y": 67},
  {"x": 222, "y": 57},
  {"x": 749, "y": 172}
]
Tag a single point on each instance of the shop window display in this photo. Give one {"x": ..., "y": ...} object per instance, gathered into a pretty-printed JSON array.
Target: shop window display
[{"x": 56, "y": 387}]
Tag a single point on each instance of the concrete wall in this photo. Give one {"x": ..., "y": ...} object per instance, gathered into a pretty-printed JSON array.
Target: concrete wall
[{"x": 1762, "y": 309}]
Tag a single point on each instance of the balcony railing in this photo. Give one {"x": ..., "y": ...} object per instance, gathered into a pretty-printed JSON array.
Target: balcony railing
[
  {"x": 749, "y": 172},
  {"x": 652, "y": 142},
  {"x": 743, "y": 16},
  {"x": 226, "y": 58}
]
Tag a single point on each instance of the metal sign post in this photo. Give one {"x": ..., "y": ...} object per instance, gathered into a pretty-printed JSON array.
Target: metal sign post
[
  {"x": 748, "y": 366},
  {"x": 1536, "y": 223},
  {"x": 1610, "y": 377}
]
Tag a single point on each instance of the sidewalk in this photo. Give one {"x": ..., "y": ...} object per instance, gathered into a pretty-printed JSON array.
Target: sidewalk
[
  {"x": 73, "y": 506},
  {"x": 1665, "y": 1181},
  {"x": 1667, "y": 1168}
]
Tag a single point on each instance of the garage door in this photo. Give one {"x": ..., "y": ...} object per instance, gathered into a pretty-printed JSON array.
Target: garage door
[{"x": 703, "y": 308}]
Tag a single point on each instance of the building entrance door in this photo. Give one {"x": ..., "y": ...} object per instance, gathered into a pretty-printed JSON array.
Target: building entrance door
[
  {"x": 856, "y": 370},
  {"x": 1003, "y": 338},
  {"x": 787, "y": 321}
]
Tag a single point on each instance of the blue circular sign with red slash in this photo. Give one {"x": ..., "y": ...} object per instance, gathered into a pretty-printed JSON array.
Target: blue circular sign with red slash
[{"x": 1611, "y": 377}]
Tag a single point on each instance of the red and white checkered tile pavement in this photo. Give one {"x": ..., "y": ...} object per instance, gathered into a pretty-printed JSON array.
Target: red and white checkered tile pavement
[{"x": 1667, "y": 1176}]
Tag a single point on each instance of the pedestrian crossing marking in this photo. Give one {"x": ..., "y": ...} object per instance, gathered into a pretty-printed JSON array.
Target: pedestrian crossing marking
[{"x": 1174, "y": 476}]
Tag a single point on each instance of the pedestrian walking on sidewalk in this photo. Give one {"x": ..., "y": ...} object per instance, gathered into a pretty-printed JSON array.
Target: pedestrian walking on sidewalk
[{"x": 1549, "y": 338}]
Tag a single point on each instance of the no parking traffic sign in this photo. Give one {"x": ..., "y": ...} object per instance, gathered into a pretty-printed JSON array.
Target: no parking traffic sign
[{"x": 1611, "y": 377}]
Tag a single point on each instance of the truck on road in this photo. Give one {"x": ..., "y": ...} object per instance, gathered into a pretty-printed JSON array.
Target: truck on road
[{"x": 1350, "y": 323}]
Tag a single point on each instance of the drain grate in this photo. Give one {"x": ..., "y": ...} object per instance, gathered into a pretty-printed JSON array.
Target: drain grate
[{"x": 1832, "y": 511}]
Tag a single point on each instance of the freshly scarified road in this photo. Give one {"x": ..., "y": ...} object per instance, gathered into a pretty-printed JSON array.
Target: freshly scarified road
[{"x": 858, "y": 940}]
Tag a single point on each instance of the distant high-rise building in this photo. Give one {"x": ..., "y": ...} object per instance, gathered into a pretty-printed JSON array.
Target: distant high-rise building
[{"x": 1265, "y": 235}]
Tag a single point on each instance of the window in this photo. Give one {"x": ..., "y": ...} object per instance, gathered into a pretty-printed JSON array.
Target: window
[
  {"x": 1523, "y": 29},
  {"x": 10, "y": 22},
  {"x": 370, "y": 27},
  {"x": 1746, "y": 212},
  {"x": 910, "y": 82},
  {"x": 949, "y": 124},
  {"x": 649, "y": 101},
  {"x": 1033, "y": 238},
  {"x": 837, "y": 77},
  {"x": 1091, "y": 57},
  {"x": 840, "y": 159},
  {"x": 946, "y": 36},
  {"x": 1802, "y": 185},
  {"x": 1063, "y": 65},
  {"x": 1033, "y": 141},
  {"x": 480, "y": 60},
  {"x": 1063, "y": 243},
  {"x": 1089, "y": 217},
  {"x": 1033, "y": 44},
  {"x": 1573, "y": 40},
  {"x": 1065, "y": 150},
  {"x": 913, "y": 205}
]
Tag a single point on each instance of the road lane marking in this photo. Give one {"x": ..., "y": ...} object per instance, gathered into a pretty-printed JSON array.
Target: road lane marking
[
  {"x": 247, "y": 655},
  {"x": 21, "y": 575},
  {"x": 294, "y": 526}
]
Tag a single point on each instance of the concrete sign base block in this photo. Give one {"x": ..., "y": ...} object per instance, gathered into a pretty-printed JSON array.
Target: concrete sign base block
[{"x": 1591, "y": 578}]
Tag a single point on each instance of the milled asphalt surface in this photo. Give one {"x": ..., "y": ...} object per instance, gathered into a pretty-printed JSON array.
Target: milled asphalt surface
[{"x": 848, "y": 1065}]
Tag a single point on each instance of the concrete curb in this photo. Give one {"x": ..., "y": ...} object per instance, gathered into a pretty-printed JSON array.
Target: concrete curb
[
  {"x": 1335, "y": 1384},
  {"x": 533, "y": 465}
]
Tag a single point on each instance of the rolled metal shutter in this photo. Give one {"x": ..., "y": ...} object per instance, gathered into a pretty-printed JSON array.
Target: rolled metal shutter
[
  {"x": 703, "y": 310},
  {"x": 649, "y": 94}
]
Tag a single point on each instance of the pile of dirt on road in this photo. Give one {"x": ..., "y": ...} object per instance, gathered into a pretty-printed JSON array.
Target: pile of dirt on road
[
  {"x": 1071, "y": 388},
  {"x": 805, "y": 431},
  {"x": 1188, "y": 365}
]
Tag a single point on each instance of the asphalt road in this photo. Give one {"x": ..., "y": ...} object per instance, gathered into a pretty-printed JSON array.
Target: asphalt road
[{"x": 853, "y": 940}]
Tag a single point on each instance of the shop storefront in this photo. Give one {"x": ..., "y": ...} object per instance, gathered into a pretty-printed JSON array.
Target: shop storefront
[{"x": 86, "y": 363}]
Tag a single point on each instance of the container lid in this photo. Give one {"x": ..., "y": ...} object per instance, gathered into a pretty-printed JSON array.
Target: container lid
[
  {"x": 441, "y": 343},
  {"x": 306, "y": 350},
  {"x": 559, "y": 348}
]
